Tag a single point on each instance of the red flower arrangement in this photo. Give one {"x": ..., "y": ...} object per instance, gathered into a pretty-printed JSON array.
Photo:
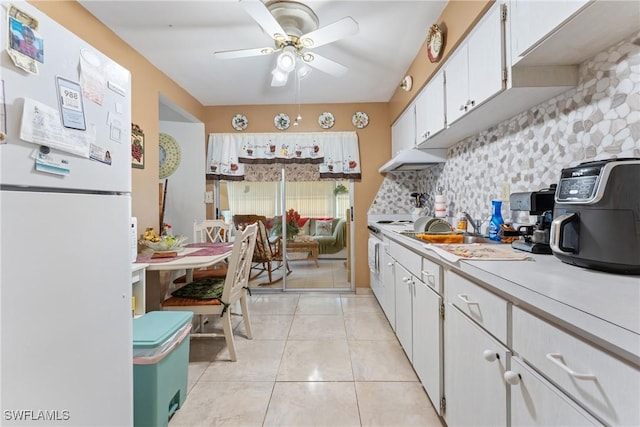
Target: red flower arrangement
[{"x": 291, "y": 217}]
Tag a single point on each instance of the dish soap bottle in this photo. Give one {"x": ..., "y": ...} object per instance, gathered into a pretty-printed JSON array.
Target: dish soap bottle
[{"x": 496, "y": 221}]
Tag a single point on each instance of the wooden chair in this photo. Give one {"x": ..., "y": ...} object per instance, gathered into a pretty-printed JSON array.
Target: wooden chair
[
  {"x": 268, "y": 256},
  {"x": 209, "y": 231},
  {"x": 234, "y": 290}
]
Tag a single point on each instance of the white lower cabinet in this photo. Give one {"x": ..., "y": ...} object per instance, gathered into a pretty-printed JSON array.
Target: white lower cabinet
[
  {"x": 428, "y": 341},
  {"x": 603, "y": 384},
  {"x": 404, "y": 313},
  {"x": 535, "y": 402},
  {"x": 475, "y": 363}
]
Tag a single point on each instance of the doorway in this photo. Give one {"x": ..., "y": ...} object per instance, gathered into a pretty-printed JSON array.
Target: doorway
[{"x": 318, "y": 251}]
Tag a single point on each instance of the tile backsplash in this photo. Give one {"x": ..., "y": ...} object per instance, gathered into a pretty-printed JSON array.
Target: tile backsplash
[{"x": 599, "y": 119}]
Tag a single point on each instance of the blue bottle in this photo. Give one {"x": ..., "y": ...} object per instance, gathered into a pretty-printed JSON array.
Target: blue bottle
[{"x": 496, "y": 221}]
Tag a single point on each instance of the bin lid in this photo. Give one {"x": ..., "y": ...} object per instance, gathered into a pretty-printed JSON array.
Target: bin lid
[{"x": 155, "y": 327}]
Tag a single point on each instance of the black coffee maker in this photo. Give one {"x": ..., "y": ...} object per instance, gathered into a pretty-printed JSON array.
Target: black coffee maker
[{"x": 539, "y": 203}]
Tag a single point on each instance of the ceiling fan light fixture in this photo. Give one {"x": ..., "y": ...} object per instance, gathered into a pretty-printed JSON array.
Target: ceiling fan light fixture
[
  {"x": 279, "y": 77},
  {"x": 286, "y": 61},
  {"x": 307, "y": 57},
  {"x": 303, "y": 70}
]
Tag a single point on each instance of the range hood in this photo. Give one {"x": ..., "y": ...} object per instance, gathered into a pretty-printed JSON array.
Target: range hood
[{"x": 414, "y": 159}]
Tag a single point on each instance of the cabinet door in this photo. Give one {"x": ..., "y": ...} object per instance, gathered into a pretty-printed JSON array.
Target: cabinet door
[
  {"x": 532, "y": 21},
  {"x": 430, "y": 117},
  {"x": 486, "y": 57},
  {"x": 476, "y": 392},
  {"x": 427, "y": 340},
  {"x": 389, "y": 288},
  {"x": 404, "y": 284},
  {"x": 403, "y": 131},
  {"x": 457, "y": 86},
  {"x": 535, "y": 402}
]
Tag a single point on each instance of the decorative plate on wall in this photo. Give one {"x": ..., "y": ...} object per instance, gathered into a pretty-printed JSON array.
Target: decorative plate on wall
[
  {"x": 360, "y": 119},
  {"x": 169, "y": 155},
  {"x": 435, "y": 43},
  {"x": 282, "y": 121},
  {"x": 239, "y": 122},
  {"x": 326, "y": 120}
]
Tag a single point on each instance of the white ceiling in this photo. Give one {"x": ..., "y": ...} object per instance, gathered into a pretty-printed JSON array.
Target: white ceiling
[{"x": 179, "y": 38}]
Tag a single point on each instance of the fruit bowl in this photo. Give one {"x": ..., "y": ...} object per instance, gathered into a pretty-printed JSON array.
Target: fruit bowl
[{"x": 165, "y": 244}]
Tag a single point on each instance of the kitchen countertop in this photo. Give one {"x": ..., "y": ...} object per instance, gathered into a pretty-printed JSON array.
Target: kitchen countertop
[{"x": 601, "y": 307}]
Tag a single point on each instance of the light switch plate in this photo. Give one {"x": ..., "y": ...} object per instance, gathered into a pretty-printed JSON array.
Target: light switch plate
[{"x": 208, "y": 196}]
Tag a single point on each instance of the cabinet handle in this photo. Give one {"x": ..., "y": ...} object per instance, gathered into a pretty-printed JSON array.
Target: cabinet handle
[
  {"x": 473, "y": 103},
  {"x": 512, "y": 378},
  {"x": 465, "y": 299},
  {"x": 490, "y": 355},
  {"x": 427, "y": 273},
  {"x": 556, "y": 358},
  {"x": 389, "y": 264},
  {"x": 428, "y": 133},
  {"x": 406, "y": 280},
  {"x": 462, "y": 108}
]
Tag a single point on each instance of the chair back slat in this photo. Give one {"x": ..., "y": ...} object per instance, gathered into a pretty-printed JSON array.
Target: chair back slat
[
  {"x": 211, "y": 230},
  {"x": 239, "y": 264}
]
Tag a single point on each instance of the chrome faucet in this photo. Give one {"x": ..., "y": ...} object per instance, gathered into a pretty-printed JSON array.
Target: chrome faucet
[{"x": 476, "y": 224}]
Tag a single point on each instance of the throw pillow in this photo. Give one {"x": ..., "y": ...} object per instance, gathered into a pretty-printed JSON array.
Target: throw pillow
[
  {"x": 323, "y": 228},
  {"x": 304, "y": 228},
  {"x": 201, "y": 289}
]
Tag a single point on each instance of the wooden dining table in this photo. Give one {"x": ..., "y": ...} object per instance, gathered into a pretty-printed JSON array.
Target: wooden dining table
[{"x": 188, "y": 258}]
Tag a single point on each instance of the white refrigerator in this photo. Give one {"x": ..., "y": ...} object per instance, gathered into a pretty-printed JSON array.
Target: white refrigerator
[{"x": 65, "y": 211}]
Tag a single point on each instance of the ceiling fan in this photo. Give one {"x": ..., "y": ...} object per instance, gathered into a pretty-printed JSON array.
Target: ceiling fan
[{"x": 294, "y": 28}]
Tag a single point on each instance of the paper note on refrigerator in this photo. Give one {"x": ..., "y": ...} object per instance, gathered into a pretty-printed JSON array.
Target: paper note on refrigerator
[{"x": 41, "y": 125}]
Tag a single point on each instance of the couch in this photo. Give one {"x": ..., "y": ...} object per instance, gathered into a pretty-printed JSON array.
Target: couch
[{"x": 330, "y": 233}]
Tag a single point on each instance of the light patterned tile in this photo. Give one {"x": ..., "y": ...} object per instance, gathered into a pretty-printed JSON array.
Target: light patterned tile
[
  {"x": 372, "y": 326},
  {"x": 258, "y": 360},
  {"x": 326, "y": 360},
  {"x": 330, "y": 404},
  {"x": 224, "y": 404},
  {"x": 380, "y": 361},
  {"x": 317, "y": 327},
  {"x": 395, "y": 404},
  {"x": 316, "y": 304}
]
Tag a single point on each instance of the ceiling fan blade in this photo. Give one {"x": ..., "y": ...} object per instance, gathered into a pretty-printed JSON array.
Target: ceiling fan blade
[
  {"x": 325, "y": 65},
  {"x": 243, "y": 53},
  {"x": 338, "y": 30},
  {"x": 264, "y": 18}
]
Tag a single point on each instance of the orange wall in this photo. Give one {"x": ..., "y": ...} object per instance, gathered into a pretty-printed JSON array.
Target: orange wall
[
  {"x": 147, "y": 83},
  {"x": 374, "y": 141}
]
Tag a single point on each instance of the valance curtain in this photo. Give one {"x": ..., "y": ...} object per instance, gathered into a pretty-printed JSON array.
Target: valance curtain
[{"x": 336, "y": 154}]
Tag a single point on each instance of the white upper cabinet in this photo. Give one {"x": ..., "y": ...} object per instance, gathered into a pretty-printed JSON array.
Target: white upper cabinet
[
  {"x": 430, "y": 117},
  {"x": 550, "y": 32},
  {"x": 403, "y": 131},
  {"x": 532, "y": 21},
  {"x": 475, "y": 71}
]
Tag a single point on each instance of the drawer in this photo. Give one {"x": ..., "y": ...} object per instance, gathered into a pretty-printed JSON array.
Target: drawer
[
  {"x": 409, "y": 259},
  {"x": 485, "y": 308},
  {"x": 608, "y": 387},
  {"x": 535, "y": 402},
  {"x": 432, "y": 275}
]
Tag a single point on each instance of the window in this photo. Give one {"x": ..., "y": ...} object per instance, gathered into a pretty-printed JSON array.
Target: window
[{"x": 310, "y": 199}]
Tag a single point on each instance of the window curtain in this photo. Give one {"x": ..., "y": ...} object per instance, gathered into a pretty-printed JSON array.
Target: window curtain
[{"x": 336, "y": 154}]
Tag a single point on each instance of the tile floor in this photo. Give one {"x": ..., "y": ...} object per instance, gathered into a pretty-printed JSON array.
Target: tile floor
[
  {"x": 317, "y": 359},
  {"x": 329, "y": 274}
]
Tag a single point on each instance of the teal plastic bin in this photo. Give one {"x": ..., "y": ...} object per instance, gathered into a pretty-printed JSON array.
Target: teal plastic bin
[{"x": 160, "y": 366}]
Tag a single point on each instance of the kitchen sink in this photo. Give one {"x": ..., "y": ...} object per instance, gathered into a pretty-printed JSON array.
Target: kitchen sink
[{"x": 467, "y": 238}]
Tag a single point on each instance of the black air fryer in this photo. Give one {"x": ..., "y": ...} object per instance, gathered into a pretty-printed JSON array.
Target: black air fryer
[{"x": 597, "y": 216}]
